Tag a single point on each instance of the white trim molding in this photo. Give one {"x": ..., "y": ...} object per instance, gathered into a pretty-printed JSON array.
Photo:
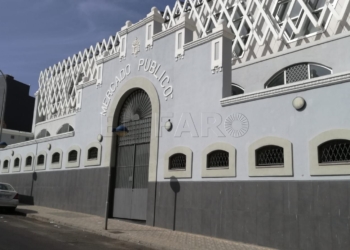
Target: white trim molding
[
  {"x": 16, "y": 169},
  {"x": 75, "y": 164},
  {"x": 29, "y": 168},
  {"x": 43, "y": 166},
  {"x": 313, "y": 83},
  {"x": 187, "y": 173},
  {"x": 57, "y": 165},
  {"x": 93, "y": 162},
  {"x": 281, "y": 170},
  {"x": 7, "y": 158},
  {"x": 230, "y": 171},
  {"x": 317, "y": 169}
]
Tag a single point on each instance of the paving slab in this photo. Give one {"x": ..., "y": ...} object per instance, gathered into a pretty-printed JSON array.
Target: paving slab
[{"x": 157, "y": 238}]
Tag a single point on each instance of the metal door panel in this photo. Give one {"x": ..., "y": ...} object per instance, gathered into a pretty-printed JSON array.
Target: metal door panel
[
  {"x": 122, "y": 203},
  {"x": 139, "y": 204}
]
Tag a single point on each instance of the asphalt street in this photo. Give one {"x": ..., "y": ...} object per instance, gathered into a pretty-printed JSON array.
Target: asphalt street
[{"x": 18, "y": 232}]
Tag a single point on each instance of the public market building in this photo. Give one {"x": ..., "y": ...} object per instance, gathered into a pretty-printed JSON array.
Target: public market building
[{"x": 223, "y": 118}]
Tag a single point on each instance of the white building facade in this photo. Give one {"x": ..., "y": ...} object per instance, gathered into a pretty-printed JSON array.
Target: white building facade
[{"x": 237, "y": 123}]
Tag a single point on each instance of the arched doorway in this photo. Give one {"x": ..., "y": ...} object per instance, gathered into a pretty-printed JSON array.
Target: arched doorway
[{"x": 133, "y": 157}]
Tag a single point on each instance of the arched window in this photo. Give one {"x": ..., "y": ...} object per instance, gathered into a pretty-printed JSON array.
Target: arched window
[
  {"x": 93, "y": 153},
  {"x": 56, "y": 158},
  {"x": 334, "y": 151},
  {"x": 43, "y": 133},
  {"x": 41, "y": 160},
  {"x": 270, "y": 155},
  {"x": 73, "y": 156},
  {"x": 16, "y": 163},
  {"x": 29, "y": 160},
  {"x": 218, "y": 159},
  {"x": 6, "y": 164},
  {"x": 298, "y": 72},
  {"x": 177, "y": 162},
  {"x": 236, "y": 89},
  {"x": 65, "y": 128}
]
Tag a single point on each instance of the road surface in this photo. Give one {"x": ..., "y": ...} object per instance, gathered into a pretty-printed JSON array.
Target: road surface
[{"x": 18, "y": 232}]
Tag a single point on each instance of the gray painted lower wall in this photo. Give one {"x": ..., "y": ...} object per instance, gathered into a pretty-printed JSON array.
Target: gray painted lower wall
[
  {"x": 277, "y": 214},
  {"x": 82, "y": 191},
  {"x": 282, "y": 215}
]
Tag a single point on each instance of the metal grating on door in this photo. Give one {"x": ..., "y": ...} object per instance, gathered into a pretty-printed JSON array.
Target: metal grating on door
[
  {"x": 297, "y": 73},
  {"x": 139, "y": 132}
]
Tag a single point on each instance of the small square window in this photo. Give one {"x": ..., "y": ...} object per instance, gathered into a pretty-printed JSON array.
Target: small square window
[{"x": 12, "y": 137}]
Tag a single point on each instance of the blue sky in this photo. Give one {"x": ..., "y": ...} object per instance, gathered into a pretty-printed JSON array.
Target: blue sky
[{"x": 36, "y": 34}]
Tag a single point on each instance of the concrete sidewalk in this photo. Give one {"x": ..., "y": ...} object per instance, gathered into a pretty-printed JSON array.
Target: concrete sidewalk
[{"x": 153, "y": 237}]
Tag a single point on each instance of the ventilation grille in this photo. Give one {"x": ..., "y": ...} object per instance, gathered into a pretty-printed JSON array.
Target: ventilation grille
[
  {"x": 218, "y": 159},
  {"x": 335, "y": 151},
  {"x": 177, "y": 162},
  {"x": 269, "y": 156}
]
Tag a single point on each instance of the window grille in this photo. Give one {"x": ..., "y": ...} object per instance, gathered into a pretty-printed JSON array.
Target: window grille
[
  {"x": 218, "y": 159},
  {"x": 6, "y": 164},
  {"x": 29, "y": 161},
  {"x": 55, "y": 158},
  {"x": 43, "y": 133},
  {"x": 73, "y": 156},
  {"x": 177, "y": 162},
  {"x": 65, "y": 128},
  {"x": 298, "y": 72},
  {"x": 334, "y": 151},
  {"x": 41, "y": 160},
  {"x": 92, "y": 153},
  {"x": 16, "y": 163},
  {"x": 269, "y": 156}
]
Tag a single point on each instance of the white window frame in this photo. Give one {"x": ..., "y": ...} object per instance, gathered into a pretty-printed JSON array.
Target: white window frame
[
  {"x": 41, "y": 167},
  {"x": 321, "y": 169},
  {"x": 181, "y": 174},
  {"x": 29, "y": 168},
  {"x": 57, "y": 165},
  {"x": 16, "y": 169},
  {"x": 285, "y": 74},
  {"x": 260, "y": 171},
  {"x": 94, "y": 162},
  {"x": 75, "y": 164},
  {"x": 6, "y": 171},
  {"x": 230, "y": 171}
]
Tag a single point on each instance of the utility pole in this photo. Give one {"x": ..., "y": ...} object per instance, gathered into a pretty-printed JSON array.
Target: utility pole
[{"x": 3, "y": 104}]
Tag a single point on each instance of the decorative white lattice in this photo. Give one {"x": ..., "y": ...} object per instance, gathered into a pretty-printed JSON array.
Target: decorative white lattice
[{"x": 251, "y": 21}]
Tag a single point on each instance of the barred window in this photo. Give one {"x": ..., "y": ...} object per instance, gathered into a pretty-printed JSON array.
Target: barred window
[
  {"x": 298, "y": 72},
  {"x": 270, "y": 155},
  {"x": 334, "y": 151},
  {"x": 41, "y": 160},
  {"x": 43, "y": 133},
  {"x": 73, "y": 156},
  {"x": 16, "y": 163},
  {"x": 218, "y": 159},
  {"x": 93, "y": 153},
  {"x": 55, "y": 158},
  {"x": 65, "y": 128},
  {"x": 6, "y": 164},
  {"x": 177, "y": 162},
  {"x": 29, "y": 161}
]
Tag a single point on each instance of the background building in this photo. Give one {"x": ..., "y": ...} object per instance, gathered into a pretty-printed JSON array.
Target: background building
[
  {"x": 236, "y": 112},
  {"x": 18, "y": 111}
]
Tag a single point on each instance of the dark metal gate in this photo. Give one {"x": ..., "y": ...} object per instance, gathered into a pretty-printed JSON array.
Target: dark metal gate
[{"x": 130, "y": 194}]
